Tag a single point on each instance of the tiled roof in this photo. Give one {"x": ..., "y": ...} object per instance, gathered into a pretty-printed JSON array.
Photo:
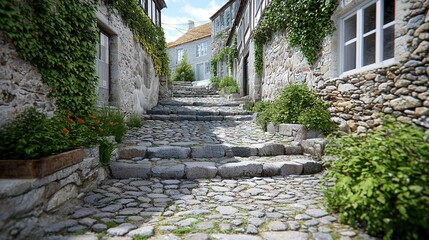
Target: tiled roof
[{"x": 193, "y": 34}]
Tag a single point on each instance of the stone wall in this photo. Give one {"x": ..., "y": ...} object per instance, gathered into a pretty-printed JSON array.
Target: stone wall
[
  {"x": 134, "y": 86},
  {"x": 21, "y": 85},
  {"x": 23, "y": 202},
  {"x": 357, "y": 100}
]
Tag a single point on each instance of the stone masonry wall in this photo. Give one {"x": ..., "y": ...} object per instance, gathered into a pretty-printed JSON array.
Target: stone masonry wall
[
  {"x": 134, "y": 86},
  {"x": 357, "y": 100},
  {"x": 23, "y": 202},
  {"x": 21, "y": 85}
]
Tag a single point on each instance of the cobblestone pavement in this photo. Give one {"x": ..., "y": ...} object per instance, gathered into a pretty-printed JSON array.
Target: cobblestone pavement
[
  {"x": 158, "y": 133},
  {"x": 230, "y": 209}
]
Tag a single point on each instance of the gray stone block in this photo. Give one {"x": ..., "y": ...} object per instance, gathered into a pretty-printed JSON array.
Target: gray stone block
[
  {"x": 168, "y": 152},
  {"x": 186, "y": 118},
  {"x": 294, "y": 148},
  {"x": 196, "y": 170},
  {"x": 310, "y": 166},
  {"x": 282, "y": 169},
  {"x": 239, "y": 169},
  {"x": 208, "y": 151},
  {"x": 314, "y": 134},
  {"x": 272, "y": 128},
  {"x": 285, "y": 235},
  {"x": 314, "y": 147},
  {"x": 298, "y": 131},
  {"x": 270, "y": 149},
  {"x": 130, "y": 152},
  {"x": 121, "y": 170},
  {"x": 167, "y": 172},
  {"x": 242, "y": 151}
]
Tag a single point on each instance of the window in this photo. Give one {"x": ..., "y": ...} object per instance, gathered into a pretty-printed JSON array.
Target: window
[
  {"x": 180, "y": 54},
  {"x": 367, "y": 36},
  {"x": 202, "y": 49},
  {"x": 207, "y": 65}
]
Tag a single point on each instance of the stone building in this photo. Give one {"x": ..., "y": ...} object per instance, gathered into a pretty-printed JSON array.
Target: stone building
[
  {"x": 196, "y": 44},
  {"x": 375, "y": 62},
  {"x": 126, "y": 71}
]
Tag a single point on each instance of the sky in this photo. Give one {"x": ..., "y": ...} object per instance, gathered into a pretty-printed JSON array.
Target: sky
[{"x": 175, "y": 17}]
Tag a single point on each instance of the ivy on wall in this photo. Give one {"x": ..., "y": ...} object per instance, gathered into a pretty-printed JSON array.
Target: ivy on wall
[
  {"x": 150, "y": 36},
  {"x": 307, "y": 23},
  {"x": 229, "y": 52},
  {"x": 59, "y": 39}
]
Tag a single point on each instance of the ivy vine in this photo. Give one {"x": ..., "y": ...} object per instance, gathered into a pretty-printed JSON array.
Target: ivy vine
[
  {"x": 150, "y": 36},
  {"x": 59, "y": 39},
  {"x": 307, "y": 23},
  {"x": 226, "y": 52}
]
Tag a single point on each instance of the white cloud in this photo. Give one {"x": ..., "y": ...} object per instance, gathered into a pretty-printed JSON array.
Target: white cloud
[
  {"x": 201, "y": 14},
  {"x": 174, "y": 27}
]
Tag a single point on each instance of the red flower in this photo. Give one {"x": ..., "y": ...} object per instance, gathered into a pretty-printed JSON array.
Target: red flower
[
  {"x": 70, "y": 121},
  {"x": 96, "y": 121},
  {"x": 92, "y": 116},
  {"x": 80, "y": 121},
  {"x": 65, "y": 131}
]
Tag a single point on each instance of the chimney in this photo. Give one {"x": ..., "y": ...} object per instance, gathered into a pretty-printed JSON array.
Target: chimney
[{"x": 191, "y": 24}]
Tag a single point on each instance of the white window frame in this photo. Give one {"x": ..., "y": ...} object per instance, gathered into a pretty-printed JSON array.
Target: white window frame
[
  {"x": 180, "y": 54},
  {"x": 202, "y": 49},
  {"x": 379, "y": 62}
]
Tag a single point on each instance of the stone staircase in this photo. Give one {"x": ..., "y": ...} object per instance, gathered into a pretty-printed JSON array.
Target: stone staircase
[
  {"x": 184, "y": 89},
  {"x": 206, "y": 137}
]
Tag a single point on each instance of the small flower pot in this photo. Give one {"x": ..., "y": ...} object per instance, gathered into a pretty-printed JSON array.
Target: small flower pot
[{"x": 38, "y": 168}]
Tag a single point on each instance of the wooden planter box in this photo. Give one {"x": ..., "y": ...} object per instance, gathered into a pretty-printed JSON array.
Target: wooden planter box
[{"x": 38, "y": 168}]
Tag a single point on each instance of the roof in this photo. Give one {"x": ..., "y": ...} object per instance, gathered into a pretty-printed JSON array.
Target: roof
[{"x": 193, "y": 34}]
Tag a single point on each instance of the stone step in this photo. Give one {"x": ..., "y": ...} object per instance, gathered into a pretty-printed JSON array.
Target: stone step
[
  {"x": 199, "y": 111},
  {"x": 200, "y": 104},
  {"x": 211, "y": 168},
  {"x": 175, "y": 117},
  {"x": 195, "y": 95},
  {"x": 311, "y": 147}
]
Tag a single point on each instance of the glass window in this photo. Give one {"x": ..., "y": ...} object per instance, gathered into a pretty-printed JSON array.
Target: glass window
[
  {"x": 180, "y": 54},
  {"x": 368, "y": 39},
  {"x": 202, "y": 49}
]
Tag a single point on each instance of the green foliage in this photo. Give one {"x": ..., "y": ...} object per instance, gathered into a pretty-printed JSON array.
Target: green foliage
[
  {"x": 214, "y": 80},
  {"x": 227, "y": 52},
  {"x": 33, "y": 135},
  {"x": 382, "y": 180},
  {"x": 59, "y": 38},
  {"x": 134, "y": 120},
  {"x": 296, "y": 105},
  {"x": 307, "y": 23},
  {"x": 184, "y": 71},
  {"x": 150, "y": 36},
  {"x": 139, "y": 237},
  {"x": 229, "y": 84},
  {"x": 113, "y": 122}
]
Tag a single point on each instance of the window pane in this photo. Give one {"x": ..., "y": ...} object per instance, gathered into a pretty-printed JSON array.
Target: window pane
[
  {"x": 350, "y": 28},
  {"x": 369, "y": 49},
  {"x": 389, "y": 11},
  {"x": 369, "y": 15},
  {"x": 350, "y": 57},
  {"x": 388, "y": 42}
]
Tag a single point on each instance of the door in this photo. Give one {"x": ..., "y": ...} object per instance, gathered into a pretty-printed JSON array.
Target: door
[
  {"x": 246, "y": 76},
  {"x": 102, "y": 67},
  {"x": 200, "y": 72}
]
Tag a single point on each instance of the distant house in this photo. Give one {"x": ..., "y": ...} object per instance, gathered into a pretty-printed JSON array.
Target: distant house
[{"x": 196, "y": 44}]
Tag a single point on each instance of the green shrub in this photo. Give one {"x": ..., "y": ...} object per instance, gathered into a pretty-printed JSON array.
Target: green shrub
[
  {"x": 297, "y": 104},
  {"x": 214, "y": 80},
  {"x": 33, "y": 135},
  {"x": 113, "y": 122},
  {"x": 382, "y": 181},
  {"x": 229, "y": 84},
  {"x": 134, "y": 120},
  {"x": 105, "y": 149},
  {"x": 184, "y": 71}
]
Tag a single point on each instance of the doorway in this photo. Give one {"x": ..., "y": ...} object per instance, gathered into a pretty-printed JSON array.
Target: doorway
[
  {"x": 103, "y": 69},
  {"x": 246, "y": 76}
]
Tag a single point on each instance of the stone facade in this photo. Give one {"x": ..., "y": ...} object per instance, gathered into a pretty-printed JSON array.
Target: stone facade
[
  {"x": 133, "y": 84},
  {"x": 401, "y": 89},
  {"x": 21, "y": 85},
  {"x": 23, "y": 203}
]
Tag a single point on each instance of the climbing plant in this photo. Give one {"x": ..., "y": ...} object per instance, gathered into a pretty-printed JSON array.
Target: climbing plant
[
  {"x": 59, "y": 39},
  {"x": 307, "y": 23},
  {"x": 229, "y": 52},
  {"x": 150, "y": 36}
]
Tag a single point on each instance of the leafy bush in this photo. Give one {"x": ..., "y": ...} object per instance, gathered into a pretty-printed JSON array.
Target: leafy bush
[
  {"x": 134, "y": 120},
  {"x": 105, "y": 150},
  {"x": 214, "y": 80},
  {"x": 296, "y": 105},
  {"x": 33, "y": 135},
  {"x": 229, "y": 84},
  {"x": 113, "y": 122},
  {"x": 382, "y": 181},
  {"x": 184, "y": 71}
]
